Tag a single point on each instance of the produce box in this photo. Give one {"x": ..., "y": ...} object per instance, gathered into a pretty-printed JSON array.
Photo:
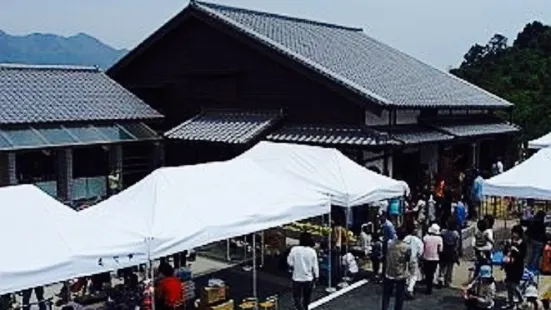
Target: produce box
[
  {"x": 228, "y": 305},
  {"x": 319, "y": 233},
  {"x": 212, "y": 295}
]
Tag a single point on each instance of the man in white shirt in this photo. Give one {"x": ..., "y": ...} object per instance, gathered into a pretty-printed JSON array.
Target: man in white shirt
[
  {"x": 416, "y": 246},
  {"x": 303, "y": 259}
]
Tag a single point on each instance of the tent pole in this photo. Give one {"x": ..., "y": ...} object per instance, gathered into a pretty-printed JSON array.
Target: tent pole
[
  {"x": 228, "y": 255},
  {"x": 245, "y": 246},
  {"x": 254, "y": 270},
  {"x": 346, "y": 245},
  {"x": 151, "y": 278},
  {"x": 262, "y": 253},
  {"x": 329, "y": 257}
]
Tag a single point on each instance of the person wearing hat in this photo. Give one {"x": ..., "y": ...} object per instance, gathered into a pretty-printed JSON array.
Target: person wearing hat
[
  {"x": 480, "y": 294},
  {"x": 433, "y": 246},
  {"x": 532, "y": 301}
]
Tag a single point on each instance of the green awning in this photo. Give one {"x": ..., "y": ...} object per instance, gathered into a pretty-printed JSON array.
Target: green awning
[{"x": 38, "y": 136}]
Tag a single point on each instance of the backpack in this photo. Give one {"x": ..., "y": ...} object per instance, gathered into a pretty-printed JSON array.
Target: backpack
[{"x": 449, "y": 239}]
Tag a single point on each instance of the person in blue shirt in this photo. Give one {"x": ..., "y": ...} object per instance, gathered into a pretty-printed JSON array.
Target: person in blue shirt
[
  {"x": 476, "y": 192},
  {"x": 460, "y": 219},
  {"x": 389, "y": 233},
  {"x": 460, "y": 213}
]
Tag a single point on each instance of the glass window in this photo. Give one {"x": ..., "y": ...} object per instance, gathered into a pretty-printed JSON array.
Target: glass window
[
  {"x": 56, "y": 135},
  {"x": 114, "y": 133},
  {"x": 86, "y": 134},
  {"x": 25, "y": 137},
  {"x": 140, "y": 131},
  {"x": 4, "y": 143}
]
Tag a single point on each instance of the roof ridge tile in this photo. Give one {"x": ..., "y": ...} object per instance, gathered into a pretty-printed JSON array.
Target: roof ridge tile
[
  {"x": 19, "y": 66},
  {"x": 217, "y": 6}
]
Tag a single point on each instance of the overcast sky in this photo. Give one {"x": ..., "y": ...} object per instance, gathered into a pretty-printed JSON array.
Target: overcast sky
[{"x": 438, "y": 32}]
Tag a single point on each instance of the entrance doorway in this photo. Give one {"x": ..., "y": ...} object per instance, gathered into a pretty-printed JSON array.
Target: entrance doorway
[{"x": 406, "y": 166}]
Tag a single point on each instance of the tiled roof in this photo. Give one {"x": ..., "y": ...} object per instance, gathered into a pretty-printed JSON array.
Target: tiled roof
[
  {"x": 418, "y": 134},
  {"x": 360, "y": 63},
  {"x": 44, "y": 94},
  {"x": 329, "y": 134},
  {"x": 476, "y": 129},
  {"x": 224, "y": 126}
]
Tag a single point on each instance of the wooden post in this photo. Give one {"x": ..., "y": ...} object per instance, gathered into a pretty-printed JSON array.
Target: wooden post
[
  {"x": 64, "y": 174},
  {"x": 158, "y": 157},
  {"x": 8, "y": 175}
]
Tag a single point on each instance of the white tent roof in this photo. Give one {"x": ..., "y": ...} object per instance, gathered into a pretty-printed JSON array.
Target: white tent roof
[
  {"x": 327, "y": 171},
  {"x": 541, "y": 142},
  {"x": 180, "y": 208},
  {"x": 530, "y": 179},
  {"x": 44, "y": 241}
]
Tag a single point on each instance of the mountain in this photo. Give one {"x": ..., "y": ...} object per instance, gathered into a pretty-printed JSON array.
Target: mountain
[{"x": 50, "y": 49}]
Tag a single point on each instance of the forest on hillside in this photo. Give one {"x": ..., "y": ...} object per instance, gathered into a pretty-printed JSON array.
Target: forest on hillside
[{"x": 519, "y": 72}]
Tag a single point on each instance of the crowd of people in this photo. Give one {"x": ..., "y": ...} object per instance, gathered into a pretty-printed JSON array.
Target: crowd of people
[{"x": 418, "y": 249}]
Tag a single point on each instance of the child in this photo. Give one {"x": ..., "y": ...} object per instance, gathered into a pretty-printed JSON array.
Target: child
[
  {"x": 483, "y": 243},
  {"x": 481, "y": 292},
  {"x": 376, "y": 254},
  {"x": 349, "y": 265},
  {"x": 532, "y": 301}
]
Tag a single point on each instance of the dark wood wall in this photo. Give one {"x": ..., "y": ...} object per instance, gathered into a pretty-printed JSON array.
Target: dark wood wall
[{"x": 201, "y": 65}]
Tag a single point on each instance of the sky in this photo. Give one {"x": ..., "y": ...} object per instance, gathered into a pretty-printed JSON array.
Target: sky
[{"x": 438, "y": 32}]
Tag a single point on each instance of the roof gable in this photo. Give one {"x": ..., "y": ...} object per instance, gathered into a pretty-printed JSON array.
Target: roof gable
[
  {"x": 41, "y": 94},
  {"x": 348, "y": 57}
]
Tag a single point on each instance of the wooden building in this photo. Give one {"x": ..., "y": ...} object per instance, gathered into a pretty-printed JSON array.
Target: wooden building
[
  {"x": 227, "y": 77},
  {"x": 66, "y": 129}
]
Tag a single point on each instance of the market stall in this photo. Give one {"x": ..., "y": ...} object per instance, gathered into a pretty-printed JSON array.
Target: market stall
[
  {"x": 528, "y": 180},
  {"x": 180, "y": 208},
  {"x": 327, "y": 171},
  {"x": 47, "y": 242}
]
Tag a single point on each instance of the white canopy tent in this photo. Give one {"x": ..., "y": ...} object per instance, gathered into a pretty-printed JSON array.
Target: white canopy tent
[
  {"x": 44, "y": 241},
  {"x": 179, "y": 208},
  {"x": 327, "y": 171},
  {"x": 541, "y": 142},
  {"x": 529, "y": 180}
]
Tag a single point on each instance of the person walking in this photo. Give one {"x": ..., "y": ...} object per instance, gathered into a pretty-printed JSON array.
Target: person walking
[
  {"x": 476, "y": 195},
  {"x": 39, "y": 292},
  {"x": 431, "y": 255},
  {"x": 450, "y": 253},
  {"x": 389, "y": 234},
  {"x": 514, "y": 267},
  {"x": 376, "y": 256},
  {"x": 397, "y": 260},
  {"x": 416, "y": 246},
  {"x": 536, "y": 233},
  {"x": 461, "y": 216},
  {"x": 303, "y": 259}
]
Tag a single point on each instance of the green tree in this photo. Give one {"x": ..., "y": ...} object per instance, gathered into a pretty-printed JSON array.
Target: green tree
[{"x": 519, "y": 73}]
